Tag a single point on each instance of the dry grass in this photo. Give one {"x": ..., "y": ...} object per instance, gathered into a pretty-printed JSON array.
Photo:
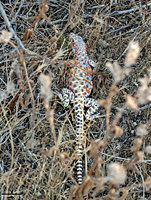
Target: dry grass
[{"x": 37, "y": 133}]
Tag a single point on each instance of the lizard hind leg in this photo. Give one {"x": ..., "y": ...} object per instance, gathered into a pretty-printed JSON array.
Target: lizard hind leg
[{"x": 93, "y": 107}]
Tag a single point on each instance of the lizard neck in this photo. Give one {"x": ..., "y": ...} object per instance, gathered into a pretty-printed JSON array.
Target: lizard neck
[{"x": 82, "y": 59}]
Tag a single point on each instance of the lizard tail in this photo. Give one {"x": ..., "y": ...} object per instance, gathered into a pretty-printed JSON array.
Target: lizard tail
[{"x": 79, "y": 107}]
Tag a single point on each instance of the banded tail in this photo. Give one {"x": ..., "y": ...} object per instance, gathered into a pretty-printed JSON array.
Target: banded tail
[{"x": 79, "y": 109}]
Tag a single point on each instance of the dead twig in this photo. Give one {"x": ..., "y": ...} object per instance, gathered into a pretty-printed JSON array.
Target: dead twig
[{"x": 9, "y": 27}]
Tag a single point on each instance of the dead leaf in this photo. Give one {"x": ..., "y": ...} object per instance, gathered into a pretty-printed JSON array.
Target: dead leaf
[
  {"x": 147, "y": 184},
  {"x": 28, "y": 34},
  {"x": 130, "y": 101},
  {"x": 5, "y": 36},
  {"x": 50, "y": 152},
  {"x": 32, "y": 143},
  {"x": 117, "y": 131}
]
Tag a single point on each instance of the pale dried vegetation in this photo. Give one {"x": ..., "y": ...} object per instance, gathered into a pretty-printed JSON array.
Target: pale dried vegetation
[{"x": 37, "y": 134}]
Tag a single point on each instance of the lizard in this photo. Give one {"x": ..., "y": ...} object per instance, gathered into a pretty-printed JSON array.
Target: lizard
[{"x": 78, "y": 88}]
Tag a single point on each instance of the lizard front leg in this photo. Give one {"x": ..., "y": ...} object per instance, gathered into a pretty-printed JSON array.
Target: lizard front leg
[{"x": 66, "y": 96}]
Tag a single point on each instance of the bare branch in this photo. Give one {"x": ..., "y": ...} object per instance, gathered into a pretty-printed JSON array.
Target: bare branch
[{"x": 10, "y": 28}]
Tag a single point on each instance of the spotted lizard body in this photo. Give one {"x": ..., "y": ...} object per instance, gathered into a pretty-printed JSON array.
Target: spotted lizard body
[{"x": 78, "y": 87}]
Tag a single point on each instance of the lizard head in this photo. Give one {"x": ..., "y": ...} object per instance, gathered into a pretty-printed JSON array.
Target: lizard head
[{"x": 78, "y": 45}]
